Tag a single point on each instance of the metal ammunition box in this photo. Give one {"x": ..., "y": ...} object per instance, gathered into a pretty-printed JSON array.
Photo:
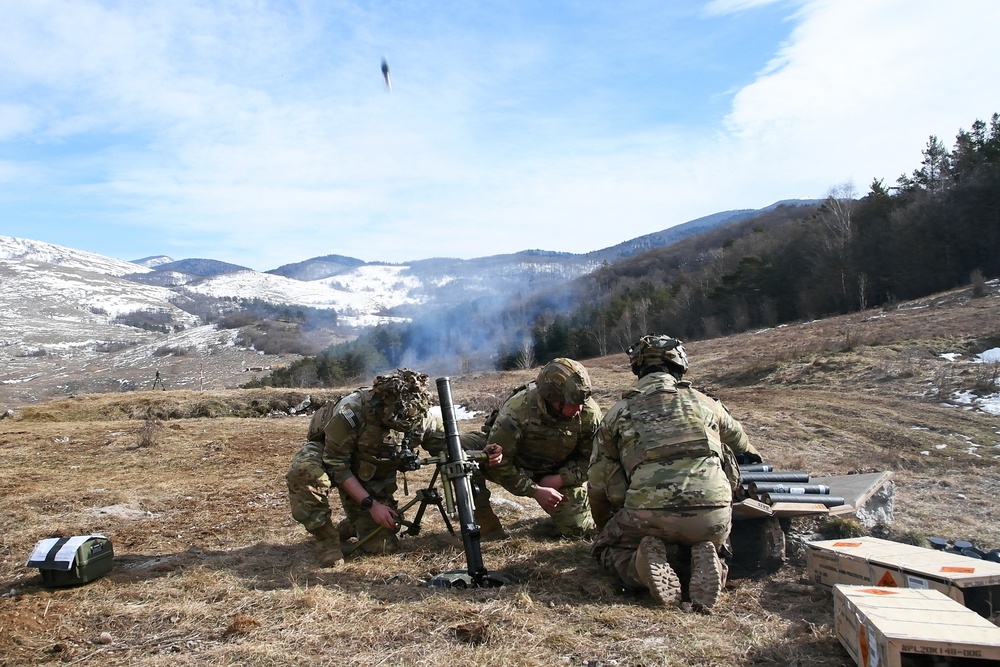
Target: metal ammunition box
[{"x": 71, "y": 561}]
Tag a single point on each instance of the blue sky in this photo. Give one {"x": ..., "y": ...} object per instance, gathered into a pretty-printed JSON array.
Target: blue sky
[{"x": 261, "y": 133}]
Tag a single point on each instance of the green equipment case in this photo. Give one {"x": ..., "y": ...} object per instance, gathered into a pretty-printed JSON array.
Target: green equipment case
[{"x": 70, "y": 561}]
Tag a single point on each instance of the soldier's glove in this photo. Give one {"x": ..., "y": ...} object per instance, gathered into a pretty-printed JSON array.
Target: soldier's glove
[{"x": 746, "y": 458}]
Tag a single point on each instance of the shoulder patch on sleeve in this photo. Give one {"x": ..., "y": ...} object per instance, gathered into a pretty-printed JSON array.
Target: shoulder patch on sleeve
[{"x": 351, "y": 418}]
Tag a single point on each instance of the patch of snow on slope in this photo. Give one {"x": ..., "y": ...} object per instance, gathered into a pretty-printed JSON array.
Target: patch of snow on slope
[
  {"x": 199, "y": 339},
  {"x": 365, "y": 290},
  {"x": 989, "y": 404},
  {"x": 63, "y": 293},
  {"x": 38, "y": 251},
  {"x": 989, "y": 356},
  {"x": 378, "y": 281}
]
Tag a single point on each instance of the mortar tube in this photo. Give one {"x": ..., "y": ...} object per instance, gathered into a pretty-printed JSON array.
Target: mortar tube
[{"x": 461, "y": 485}]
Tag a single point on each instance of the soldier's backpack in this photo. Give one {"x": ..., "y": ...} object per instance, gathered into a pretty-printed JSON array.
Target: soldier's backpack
[
  {"x": 492, "y": 418},
  {"x": 71, "y": 561}
]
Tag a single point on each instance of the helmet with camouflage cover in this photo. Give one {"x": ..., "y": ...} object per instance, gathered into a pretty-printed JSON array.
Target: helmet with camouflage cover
[
  {"x": 657, "y": 350},
  {"x": 564, "y": 381},
  {"x": 401, "y": 399}
]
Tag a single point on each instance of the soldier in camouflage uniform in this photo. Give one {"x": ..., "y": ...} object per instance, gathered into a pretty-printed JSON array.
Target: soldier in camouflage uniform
[
  {"x": 546, "y": 432},
  {"x": 351, "y": 446},
  {"x": 662, "y": 479}
]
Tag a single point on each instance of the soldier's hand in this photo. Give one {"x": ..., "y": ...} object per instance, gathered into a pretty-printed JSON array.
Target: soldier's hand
[
  {"x": 383, "y": 515},
  {"x": 547, "y": 497},
  {"x": 494, "y": 453}
]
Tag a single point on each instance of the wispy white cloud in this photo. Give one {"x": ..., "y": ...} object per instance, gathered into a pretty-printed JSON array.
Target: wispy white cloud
[{"x": 723, "y": 7}]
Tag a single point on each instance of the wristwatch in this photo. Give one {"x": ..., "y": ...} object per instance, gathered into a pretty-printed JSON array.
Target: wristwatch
[{"x": 367, "y": 503}]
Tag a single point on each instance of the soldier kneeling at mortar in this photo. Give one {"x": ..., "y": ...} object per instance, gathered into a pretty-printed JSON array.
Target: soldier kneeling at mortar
[
  {"x": 662, "y": 478},
  {"x": 546, "y": 433},
  {"x": 354, "y": 445}
]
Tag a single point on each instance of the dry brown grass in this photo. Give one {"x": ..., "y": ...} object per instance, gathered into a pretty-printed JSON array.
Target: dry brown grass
[{"x": 211, "y": 569}]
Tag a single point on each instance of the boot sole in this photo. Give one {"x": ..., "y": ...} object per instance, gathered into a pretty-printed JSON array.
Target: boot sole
[
  {"x": 706, "y": 576},
  {"x": 665, "y": 585}
]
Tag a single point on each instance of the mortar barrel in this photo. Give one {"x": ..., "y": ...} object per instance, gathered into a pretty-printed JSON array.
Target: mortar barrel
[{"x": 756, "y": 467}]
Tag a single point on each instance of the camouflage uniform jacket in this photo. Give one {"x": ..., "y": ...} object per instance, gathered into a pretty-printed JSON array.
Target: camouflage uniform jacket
[
  {"x": 665, "y": 445},
  {"x": 536, "y": 444},
  {"x": 354, "y": 442}
]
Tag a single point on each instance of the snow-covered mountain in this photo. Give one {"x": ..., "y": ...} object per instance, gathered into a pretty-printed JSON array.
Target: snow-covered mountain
[
  {"x": 69, "y": 323},
  {"x": 74, "y": 321},
  {"x": 78, "y": 321},
  {"x": 24, "y": 249},
  {"x": 361, "y": 296},
  {"x": 103, "y": 288}
]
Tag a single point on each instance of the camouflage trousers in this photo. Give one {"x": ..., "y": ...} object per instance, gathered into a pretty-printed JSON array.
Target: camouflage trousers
[
  {"x": 615, "y": 546},
  {"x": 309, "y": 489},
  {"x": 572, "y": 516}
]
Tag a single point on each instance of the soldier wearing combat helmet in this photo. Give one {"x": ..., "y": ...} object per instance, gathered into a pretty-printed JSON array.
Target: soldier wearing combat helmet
[
  {"x": 546, "y": 431},
  {"x": 662, "y": 479},
  {"x": 351, "y": 446}
]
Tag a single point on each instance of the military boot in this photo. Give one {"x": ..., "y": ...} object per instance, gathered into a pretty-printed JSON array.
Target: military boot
[
  {"x": 328, "y": 551},
  {"x": 655, "y": 573},
  {"x": 706, "y": 576},
  {"x": 346, "y": 530},
  {"x": 490, "y": 528}
]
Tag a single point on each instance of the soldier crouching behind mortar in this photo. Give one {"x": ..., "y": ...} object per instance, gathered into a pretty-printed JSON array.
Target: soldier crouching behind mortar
[
  {"x": 662, "y": 479},
  {"x": 354, "y": 445},
  {"x": 546, "y": 432}
]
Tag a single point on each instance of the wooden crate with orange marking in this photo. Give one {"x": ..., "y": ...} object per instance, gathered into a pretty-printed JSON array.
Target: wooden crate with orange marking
[
  {"x": 875, "y": 562},
  {"x": 896, "y": 627}
]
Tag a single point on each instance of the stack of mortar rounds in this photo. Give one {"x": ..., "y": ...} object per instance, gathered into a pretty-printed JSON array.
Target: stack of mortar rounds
[{"x": 763, "y": 483}]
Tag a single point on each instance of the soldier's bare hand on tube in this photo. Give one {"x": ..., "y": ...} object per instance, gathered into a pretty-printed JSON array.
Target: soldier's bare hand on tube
[
  {"x": 494, "y": 452},
  {"x": 547, "y": 497},
  {"x": 384, "y": 515}
]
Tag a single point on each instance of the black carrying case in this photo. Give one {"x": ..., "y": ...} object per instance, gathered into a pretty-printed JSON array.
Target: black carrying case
[{"x": 71, "y": 561}]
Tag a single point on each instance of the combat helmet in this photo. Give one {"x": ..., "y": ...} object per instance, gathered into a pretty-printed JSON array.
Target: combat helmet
[
  {"x": 401, "y": 398},
  {"x": 657, "y": 350},
  {"x": 564, "y": 381}
]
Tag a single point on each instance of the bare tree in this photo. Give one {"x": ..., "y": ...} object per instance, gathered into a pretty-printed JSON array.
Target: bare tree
[
  {"x": 526, "y": 355},
  {"x": 599, "y": 332},
  {"x": 623, "y": 330},
  {"x": 640, "y": 309},
  {"x": 836, "y": 214}
]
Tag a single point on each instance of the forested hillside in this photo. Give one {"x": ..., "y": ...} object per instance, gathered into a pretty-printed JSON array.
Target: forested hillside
[{"x": 935, "y": 229}]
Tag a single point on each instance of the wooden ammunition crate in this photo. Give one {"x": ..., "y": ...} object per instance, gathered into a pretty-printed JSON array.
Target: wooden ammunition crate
[
  {"x": 874, "y": 562},
  {"x": 896, "y": 627}
]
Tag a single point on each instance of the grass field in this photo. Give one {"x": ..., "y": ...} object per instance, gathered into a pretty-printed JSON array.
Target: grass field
[{"x": 211, "y": 569}]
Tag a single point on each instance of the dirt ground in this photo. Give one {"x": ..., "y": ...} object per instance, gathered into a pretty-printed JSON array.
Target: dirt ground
[{"x": 211, "y": 569}]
